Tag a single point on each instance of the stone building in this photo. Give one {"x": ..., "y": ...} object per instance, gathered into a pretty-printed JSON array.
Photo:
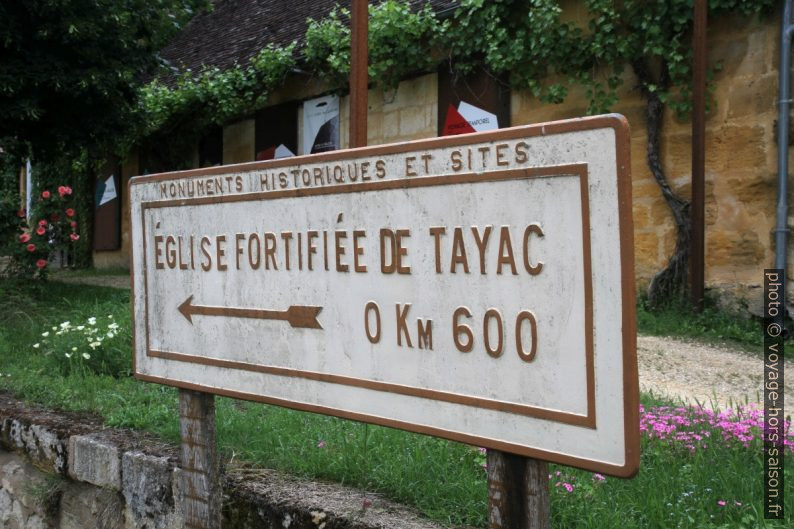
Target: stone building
[{"x": 740, "y": 132}]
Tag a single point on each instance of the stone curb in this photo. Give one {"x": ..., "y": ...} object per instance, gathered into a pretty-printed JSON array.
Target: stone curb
[{"x": 109, "y": 460}]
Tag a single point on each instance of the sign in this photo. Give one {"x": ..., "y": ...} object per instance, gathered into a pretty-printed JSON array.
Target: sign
[{"x": 478, "y": 288}]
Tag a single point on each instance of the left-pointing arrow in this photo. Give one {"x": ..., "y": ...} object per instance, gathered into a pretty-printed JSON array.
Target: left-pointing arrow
[{"x": 304, "y": 316}]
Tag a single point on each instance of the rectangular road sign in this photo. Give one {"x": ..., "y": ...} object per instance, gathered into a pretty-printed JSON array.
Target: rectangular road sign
[{"x": 478, "y": 288}]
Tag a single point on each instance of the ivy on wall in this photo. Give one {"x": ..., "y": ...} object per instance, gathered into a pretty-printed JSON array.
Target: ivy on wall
[{"x": 529, "y": 44}]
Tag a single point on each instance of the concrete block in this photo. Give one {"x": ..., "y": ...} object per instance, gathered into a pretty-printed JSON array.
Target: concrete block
[{"x": 94, "y": 461}]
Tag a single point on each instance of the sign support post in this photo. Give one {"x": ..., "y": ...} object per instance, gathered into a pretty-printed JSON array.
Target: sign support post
[
  {"x": 518, "y": 491},
  {"x": 198, "y": 458}
]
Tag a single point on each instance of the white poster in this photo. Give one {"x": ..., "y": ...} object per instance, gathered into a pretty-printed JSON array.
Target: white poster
[
  {"x": 106, "y": 191},
  {"x": 320, "y": 125}
]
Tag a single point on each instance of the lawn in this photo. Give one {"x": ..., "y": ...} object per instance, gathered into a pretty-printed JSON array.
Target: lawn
[{"x": 697, "y": 470}]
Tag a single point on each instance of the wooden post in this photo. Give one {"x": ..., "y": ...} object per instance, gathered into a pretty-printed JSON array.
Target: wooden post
[
  {"x": 697, "y": 216},
  {"x": 359, "y": 59},
  {"x": 518, "y": 492},
  {"x": 198, "y": 458}
]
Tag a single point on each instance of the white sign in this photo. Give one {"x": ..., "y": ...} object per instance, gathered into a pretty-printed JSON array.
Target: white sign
[{"x": 478, "y": 288}]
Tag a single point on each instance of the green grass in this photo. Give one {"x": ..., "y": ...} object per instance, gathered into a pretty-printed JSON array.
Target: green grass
[
  {"x": 713, "y": 325},
  {"x": 89, "y": 272},
  {"x": 444, "y": 480}
]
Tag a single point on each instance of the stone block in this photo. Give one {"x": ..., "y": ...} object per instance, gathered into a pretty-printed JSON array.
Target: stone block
[
  {"x": 646, "y": 249},
  {"x": 238, "y": 142},
  {"x": 147, "y": 489},
  {"x": 391, "y": 125},
  {"x": 28, "y": 497},
  {"x": 94, "y": 461},
  {"x": 751, "y": 96},
  {"x": 413, "y": 121},
  {"x": 87, "y": 507},
  {"x": 45, "y": 448}
]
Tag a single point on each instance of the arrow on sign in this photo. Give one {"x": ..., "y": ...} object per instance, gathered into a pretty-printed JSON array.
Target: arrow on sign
[{"x": 304, "y": 316}]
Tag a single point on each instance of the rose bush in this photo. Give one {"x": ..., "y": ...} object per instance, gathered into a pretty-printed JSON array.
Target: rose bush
[{"x": 52, "y": 227}]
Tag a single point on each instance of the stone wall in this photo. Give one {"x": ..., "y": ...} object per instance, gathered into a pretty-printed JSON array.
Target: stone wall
[
  {"x": 741, "y": 154},
  {"x": 740, "y": 151},
  {"x": 67, "y": 471}
]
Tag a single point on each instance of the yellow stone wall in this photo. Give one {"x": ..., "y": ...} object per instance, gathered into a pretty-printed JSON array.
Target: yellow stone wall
[
  {"x": 740, "y": 151},
  {"x": 741, "y": 156}
]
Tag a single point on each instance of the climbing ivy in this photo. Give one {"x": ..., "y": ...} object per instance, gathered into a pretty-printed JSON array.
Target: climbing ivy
[
  {"x": 401, "y": 43},
  {"x": 528, "y": 44}
]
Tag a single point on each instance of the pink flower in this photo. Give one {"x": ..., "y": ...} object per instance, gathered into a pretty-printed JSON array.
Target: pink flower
[
  {"x": 41, "y": 263},
  {"x": 69, "y": 212},
  {"x": 721, "y": 503},
  {"x": 24, "y": 237},
  {"x": 43, "y": 222},
  {"x": 598, "y": 477},
  {"x": 31, "y": 247},
  {"x": 74, "y": 236},
  {"x": 64, "y": 190},
  {"x": 45, "y": 194},
  {"x": 321, "y": 444},
  {"x": 41, "y": 230},
  {"x": 568, "y": 487}
]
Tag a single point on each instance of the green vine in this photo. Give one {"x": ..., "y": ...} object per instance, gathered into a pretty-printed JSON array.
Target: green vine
[
  {"x": 529, "y": 44},
  {"x": 401, "y": 44}
]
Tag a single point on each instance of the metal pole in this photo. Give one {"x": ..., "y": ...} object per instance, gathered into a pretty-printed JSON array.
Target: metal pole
[
  {"x": 518, "y": 492},
  {"x": 359, "y": 20},
  {"x": 697, "y": 242},
  {"x": 198, "y": 460}
]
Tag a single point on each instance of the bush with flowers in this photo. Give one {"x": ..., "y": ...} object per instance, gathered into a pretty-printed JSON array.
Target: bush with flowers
[
  {"x": 99, "y": 344},
  {"x": 52, "y": 227}
]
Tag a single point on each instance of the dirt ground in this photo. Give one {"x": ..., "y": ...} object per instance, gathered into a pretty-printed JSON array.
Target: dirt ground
[{"x": 694, "y": 372}]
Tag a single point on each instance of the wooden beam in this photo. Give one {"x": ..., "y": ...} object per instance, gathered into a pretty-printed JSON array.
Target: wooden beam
[
  {"x": 518, "y": 492},
  {"x": 359, "y": 21}
]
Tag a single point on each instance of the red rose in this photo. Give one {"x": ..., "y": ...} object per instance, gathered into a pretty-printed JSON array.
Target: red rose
[
  {"x": 41, "y": 263},
  {"x": 45, "y": 194},
  {"x": 73, "y": 224},
  {"x": 74, "y": 236},
  {"x": 42, "y": 222},
  {"x": 69, "y": 212},
  {"x": 40, "y": 230},
  {"x": 24, "y": 237},
  {"x": 31, "y": 247},
  {"x": 62, "y": 191}
]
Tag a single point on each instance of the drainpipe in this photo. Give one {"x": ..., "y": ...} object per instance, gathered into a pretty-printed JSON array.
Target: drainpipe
[{"x": 781, "y": 230}]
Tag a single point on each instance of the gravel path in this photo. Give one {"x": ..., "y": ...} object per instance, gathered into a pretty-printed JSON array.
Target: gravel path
[{"x": 716, "y": 376}]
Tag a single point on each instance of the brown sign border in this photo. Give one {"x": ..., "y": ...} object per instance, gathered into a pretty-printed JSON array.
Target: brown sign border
[
  {"x": 630, "y": 381},
  {"x": 575, "y": 170}
]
